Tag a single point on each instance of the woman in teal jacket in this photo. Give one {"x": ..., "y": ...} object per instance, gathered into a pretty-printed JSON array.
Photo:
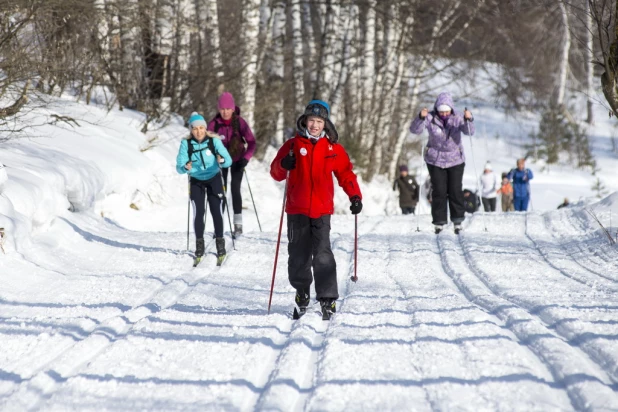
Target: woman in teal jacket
[{"x": 196, "y": 158}]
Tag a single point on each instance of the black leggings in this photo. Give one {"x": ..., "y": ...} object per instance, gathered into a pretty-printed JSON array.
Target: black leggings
[
  {"x": 447, "y": 190},
  {"x": 212, "y": 188},
  {"x": 489, "y": 204},
  {"x": 237, "y": 174}
]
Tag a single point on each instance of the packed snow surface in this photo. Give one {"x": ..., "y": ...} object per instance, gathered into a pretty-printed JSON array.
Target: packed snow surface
[{"x": 100, "y": 308}]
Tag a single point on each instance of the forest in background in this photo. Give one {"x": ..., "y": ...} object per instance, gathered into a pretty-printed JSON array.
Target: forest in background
[{"x": 373, "y": 61}]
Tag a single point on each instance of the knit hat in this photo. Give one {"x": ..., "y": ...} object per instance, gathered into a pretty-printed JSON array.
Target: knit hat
[
  {"x": 444, "y": 108},
  {"x": 226, "y": 101},
  {"x": 488, "y": 166},
  {"x": 196, "y": 120},
  {"x": 403, "y": 168},
  {"x": 321, "y": 109}
]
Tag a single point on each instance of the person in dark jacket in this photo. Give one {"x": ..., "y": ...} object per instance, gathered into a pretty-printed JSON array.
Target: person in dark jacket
[
  {"x": 239, "y": 141},
  {"x": 408, "y": 191},
  {"x": 444, "y": 156},
  {"x": 521, "y": 185},
  {"x": 471, "y": 201},
  {"x": 311, "y": 158},
  {"x": 565, "y": 203}
]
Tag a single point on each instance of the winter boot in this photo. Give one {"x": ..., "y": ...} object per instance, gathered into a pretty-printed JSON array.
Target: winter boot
[
  {"x": 302, "y": 299},
  {"x": 438, "y": 228},
  {"x": 238, "y": 224},
  {"x": 220, "y": 241},
  {"x": 199, "y": 247},
  {"x": 328, "y": 308},
  {"x": 458, "y": 229}
]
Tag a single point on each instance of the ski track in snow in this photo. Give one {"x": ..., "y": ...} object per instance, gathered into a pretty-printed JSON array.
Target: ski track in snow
[
  {"x": 70, "y": 361},
  {"x": 593, "y": 248},
  {"x": 522, "y": 317},
  {"x": 553, "y": 343},
  {"x": 292, "y": 378}
]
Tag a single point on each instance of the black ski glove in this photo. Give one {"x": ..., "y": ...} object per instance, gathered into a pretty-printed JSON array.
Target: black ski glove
[
  {"x": 356, "y": 205},
  {"x": 288, "y": 162},
  {"x": 242, "y": 163}
]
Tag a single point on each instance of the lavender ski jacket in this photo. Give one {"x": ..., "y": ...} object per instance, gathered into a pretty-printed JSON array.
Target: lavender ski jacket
[{"x": 444, "y": 148}]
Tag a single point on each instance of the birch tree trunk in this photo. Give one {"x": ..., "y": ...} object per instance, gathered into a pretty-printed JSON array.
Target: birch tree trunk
[
  {"x": 298, "y": 63},
  {"x": 279, "y": 17},
  {"x": 212, "y": 34},
  {"x": 331, "y": 33},
  {"x": 179, "y": 58},
  {"x": 388, "y": 88},
  {"x": 589, "y": 64},
  {"x": 250, "y": 32},
  {"x": 266, "y": 33},
  {"x": 564, "y": 57},
  {"x": 342, "y": 62},
  {"x": 308, "y": 48},
  {"x": 131, "y": 54},
  {"x": 368, "y": 73}
]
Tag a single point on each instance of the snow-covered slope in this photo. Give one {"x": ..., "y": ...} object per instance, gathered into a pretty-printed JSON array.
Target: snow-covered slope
[
  {"x": 100, "y": 308},
  {"x": 522, "y": 317}
]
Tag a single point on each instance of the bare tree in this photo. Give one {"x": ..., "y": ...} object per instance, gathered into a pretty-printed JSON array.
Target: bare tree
[
  {"x": 589, "y": 52},
  {"x": 604, "y": 20}
]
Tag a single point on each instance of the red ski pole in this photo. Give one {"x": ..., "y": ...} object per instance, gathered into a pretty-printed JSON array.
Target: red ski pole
[
  {"x": 355, "y": 278},
  {"x": 285, "y": 195}
]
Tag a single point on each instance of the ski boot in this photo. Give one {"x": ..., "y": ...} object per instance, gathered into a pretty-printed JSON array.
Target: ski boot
[
  {"x": 458, "y": 229},
  {"x": 237, "y": 224},
  {"x": 302, "y": 300},
  {"x": 328, "y": 308},
  {"x": 199, "y": 251},
  {"x": 220, "y": 242},
  {"x": 438, "y": 228}
]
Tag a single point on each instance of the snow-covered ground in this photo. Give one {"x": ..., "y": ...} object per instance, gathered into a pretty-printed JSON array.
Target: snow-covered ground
[{"x": 100, "y": 308}]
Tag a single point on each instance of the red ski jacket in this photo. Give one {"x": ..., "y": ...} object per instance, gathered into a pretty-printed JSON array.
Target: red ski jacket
[{"x": 310, "y": 186}]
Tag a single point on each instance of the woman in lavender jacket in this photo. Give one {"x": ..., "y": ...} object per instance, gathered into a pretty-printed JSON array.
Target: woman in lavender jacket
[{"x": 445, "y": 158}]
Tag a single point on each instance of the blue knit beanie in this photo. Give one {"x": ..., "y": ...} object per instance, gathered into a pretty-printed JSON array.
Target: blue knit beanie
[
  {"x": 196, "y": 120},
  {"x": 318, "y": 108}
]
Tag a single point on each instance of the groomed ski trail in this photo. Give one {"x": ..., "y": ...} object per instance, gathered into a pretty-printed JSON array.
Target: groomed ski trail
[
  {"x": 70, "y": 362},
  {"x": 498, "y": 320}
]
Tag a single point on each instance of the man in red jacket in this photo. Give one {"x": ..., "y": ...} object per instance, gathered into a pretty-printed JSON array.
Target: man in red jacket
[{"x": 311, "y": 158}]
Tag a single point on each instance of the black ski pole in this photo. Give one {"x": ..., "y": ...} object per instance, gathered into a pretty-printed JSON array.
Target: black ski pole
[
  {"x": 251, "y": 193},
  {"x": 227, "y": 206},
  {"x": 188, "y": 210},
  {"x": 355, "y": 277}
]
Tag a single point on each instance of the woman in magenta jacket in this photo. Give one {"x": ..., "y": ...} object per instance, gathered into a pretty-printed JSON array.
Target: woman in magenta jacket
[{"x": 239, "y": 141}]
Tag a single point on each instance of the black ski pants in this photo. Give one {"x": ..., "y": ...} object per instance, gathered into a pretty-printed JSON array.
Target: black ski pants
[
  {"x": 489, "y": 204},
  {"x": 237, "y": 172},
  {"x": 407, "y": 210},
  {"x": 447, "y": 187},
  {"x": 309, "y": 246},
  {"x": 213, "y": 189}
]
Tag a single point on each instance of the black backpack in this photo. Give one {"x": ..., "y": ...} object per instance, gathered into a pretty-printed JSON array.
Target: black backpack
[{"x": 190, "y": 150}]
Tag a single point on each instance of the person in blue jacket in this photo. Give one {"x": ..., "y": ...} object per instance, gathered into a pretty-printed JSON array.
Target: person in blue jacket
[
  {"x": 521, "y": 185},
  {"x": 196, "y": 158}
]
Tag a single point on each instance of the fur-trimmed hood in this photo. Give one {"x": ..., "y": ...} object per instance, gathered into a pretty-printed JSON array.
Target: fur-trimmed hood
[{"x": 320, "y": 109}]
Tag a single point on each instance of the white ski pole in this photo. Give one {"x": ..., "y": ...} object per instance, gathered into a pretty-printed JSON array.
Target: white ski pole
[
  {"x": 420, "y": 188},
  {"x": 476, "y": 176}
]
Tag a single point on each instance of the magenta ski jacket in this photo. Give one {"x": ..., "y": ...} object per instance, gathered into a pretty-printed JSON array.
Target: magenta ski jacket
[{"x": 444, "y": 148}]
